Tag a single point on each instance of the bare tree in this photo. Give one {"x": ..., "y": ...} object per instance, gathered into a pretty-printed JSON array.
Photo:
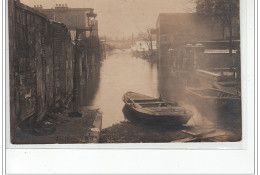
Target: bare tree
[
  {"x": 147, "y": 38},
  {"x": 225, "y": 11}
]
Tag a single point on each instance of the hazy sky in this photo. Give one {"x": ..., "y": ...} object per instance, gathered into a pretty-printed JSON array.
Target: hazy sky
[{"x": 123, "y": 17}]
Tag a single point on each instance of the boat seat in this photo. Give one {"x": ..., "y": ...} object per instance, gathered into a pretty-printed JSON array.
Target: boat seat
[
  {"x": 144, "y": 101},
  {"x": 148, "y": 103}
]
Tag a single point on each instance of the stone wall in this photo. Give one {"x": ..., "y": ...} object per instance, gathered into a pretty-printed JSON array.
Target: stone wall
[{"x": 41, "y": 58}]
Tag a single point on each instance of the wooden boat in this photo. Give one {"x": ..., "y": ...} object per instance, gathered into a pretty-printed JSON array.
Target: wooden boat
[
  {"x": 156, "y": 110},
  {"x": 211, "y": 98}
]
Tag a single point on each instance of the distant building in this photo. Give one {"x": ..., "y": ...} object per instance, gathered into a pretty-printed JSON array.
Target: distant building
[
  {"x": 145, "y": 42},
  {"x": 73, "y": 18},
  {"x": 203, "y": 55},
  {"x": 141, "y": 46},
  {"x": 175, "y": 30}
]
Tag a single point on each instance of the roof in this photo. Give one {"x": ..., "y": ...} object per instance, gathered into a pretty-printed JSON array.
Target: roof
[
  {"x": 68, "y": 9},
  {"x": 214, "y": 51},
  {"x": 25, "y": 7},
  {"x": 187, "y": 27},
  {"x": 176, "y": 16}
]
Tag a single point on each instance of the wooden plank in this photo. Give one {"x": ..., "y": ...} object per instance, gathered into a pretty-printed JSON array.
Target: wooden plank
[
  {"x": 136, "y": 96},
  {"x": 213, "y": 135},
  {"x": 189, "y": 139},
  {"x": 151, "y": 103},
  {"x": 189, "y": 132},
  {"x": 199, "y": 135}
]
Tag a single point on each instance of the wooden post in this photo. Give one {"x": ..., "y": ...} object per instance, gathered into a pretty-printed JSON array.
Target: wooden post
[{"x": 75, "y": 73}]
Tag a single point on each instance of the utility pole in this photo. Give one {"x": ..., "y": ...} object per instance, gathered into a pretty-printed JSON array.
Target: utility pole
[{"x": 75, "y": 112}]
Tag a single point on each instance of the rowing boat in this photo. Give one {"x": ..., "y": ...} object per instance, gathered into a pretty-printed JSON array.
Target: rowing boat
[{"x": 155, "y": 109}]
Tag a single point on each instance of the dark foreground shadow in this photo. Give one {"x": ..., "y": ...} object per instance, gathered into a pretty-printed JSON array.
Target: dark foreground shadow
[{"x": 135, "y": 130}]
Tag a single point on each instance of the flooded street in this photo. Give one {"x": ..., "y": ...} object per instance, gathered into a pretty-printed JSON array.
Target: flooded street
[{"x": 120, "y": 72}]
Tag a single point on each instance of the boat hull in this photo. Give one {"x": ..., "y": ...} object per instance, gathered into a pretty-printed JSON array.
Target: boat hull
[
  {"x": 171, "y": 120},
  {"x": 178, "y": 119}
]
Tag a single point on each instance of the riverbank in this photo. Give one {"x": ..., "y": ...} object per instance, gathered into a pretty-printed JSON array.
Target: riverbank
[{"x": 132, "y": 132}]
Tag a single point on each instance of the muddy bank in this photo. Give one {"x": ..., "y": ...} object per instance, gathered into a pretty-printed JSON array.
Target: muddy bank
[{"x": 131, "y": 132}]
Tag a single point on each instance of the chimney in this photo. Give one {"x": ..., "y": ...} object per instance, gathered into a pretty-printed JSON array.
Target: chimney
[
  {"x": 61, "y": 6},
  {"x": 37, "y": 7}
]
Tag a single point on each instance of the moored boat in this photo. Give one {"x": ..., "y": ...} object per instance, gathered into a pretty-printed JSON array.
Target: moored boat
[
  {"x": 155, "y": 109},
  {"x": 215, "y": 99}
]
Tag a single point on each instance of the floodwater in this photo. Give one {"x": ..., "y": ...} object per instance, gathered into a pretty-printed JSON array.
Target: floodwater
[{"x": 121, "y": 72}]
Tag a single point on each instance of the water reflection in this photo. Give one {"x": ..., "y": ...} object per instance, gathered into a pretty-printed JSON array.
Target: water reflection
[
  {"x": 89, "y": 89},
  {"x": 120, "y": 72}
]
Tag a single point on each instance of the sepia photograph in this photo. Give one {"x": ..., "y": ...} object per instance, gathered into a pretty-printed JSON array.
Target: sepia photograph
[{"x": 124, "y": 71}]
